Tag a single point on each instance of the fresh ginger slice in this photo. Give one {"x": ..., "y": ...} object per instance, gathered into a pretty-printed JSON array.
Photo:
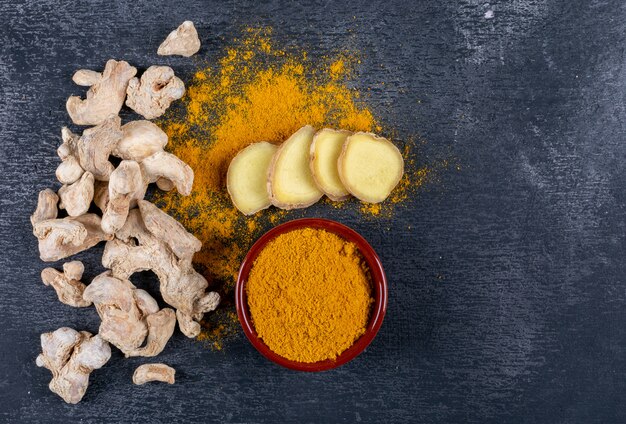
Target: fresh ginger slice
[
  {"x": 246, "y": 180},
  {"x": 289, "y": 179},
  {"x": 370, "y": 167},
  {"x": 325, "y": 151}
]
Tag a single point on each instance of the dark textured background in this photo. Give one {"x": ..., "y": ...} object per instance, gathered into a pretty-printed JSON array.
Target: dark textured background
[{"x": 507, "y": 277}]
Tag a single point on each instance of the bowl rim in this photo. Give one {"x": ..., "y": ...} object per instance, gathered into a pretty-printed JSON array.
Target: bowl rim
[{"x": 378, "y": 277}]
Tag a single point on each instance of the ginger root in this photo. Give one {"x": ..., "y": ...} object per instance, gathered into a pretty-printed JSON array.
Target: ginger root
[
  {"x": 154, "y": 372},
  {"x": 129, "y": 315},
  {"x": 140, "y": 236},
  {"x": 70, "y": 170},
  {"x": 76, "y": 197},
  {"x": 106, "y": 95},
  {"x": 101, "y": 194},
  {"x": 71, "y": 356},
  {"x": 46, "y": 206},
  {"x": 140, "y": 139},
  {"x": 290, "y": 183},
  {"x": 169, "y": 231},
  {"x": 161, "y": 326},
  {"x": 370, "y": 167},
  {"x": 164, "y": 184},
  {"x": 246, "y": 179},
  {"x": 183, "y": 41},
  {"x": 136, "y": 249},
  {"x": 164, "y": 165},
  {"x": 67, "y": 284},
  {"x": 151, "y": 95},
  {"x": 126, "y": 186},
  {"x": 60, "y": 238},
  {"x": 95, "y": 147}
]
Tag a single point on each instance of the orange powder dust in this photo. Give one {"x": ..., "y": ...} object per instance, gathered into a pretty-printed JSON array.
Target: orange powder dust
[{"x": 255, "y": 92}]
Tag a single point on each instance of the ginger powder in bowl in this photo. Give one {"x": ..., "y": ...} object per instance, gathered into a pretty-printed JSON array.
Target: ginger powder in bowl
[{"x": 310, "y": 294}]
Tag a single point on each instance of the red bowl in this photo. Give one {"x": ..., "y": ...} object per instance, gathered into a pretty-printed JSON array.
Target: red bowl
[{"x": 378, "y": 279}]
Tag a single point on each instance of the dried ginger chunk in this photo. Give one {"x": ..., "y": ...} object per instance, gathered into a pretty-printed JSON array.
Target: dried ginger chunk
[{"x": 154, "y": 372}]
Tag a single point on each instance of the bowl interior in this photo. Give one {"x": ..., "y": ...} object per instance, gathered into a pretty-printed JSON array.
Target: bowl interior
[{"x": 379, "y": 282}]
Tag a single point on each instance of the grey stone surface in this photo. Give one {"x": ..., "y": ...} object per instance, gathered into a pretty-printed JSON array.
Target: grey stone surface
[{"x": 507, "y": 277}]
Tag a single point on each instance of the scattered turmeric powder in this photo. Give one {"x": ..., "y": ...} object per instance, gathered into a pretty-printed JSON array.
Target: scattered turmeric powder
[
  {"x": 309, "y": 294},
  {"x": 257, "y": 92}
]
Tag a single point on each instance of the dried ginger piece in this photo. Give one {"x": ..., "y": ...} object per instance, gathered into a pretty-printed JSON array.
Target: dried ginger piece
[
  {"x": 289, "y": 180},
  {"x": 136, "y": 249},
  {"x": 76, "y": 197},
  {"x": 370, "y": 167},
  {"x": 60, "y": 238},
  {"x": 95, "y": 146},
  {"x": 106, "y": 95},
  {"x": 67, "y": 284},
  {"x": 46, "y": 206},
  {"x": 126, "y": 186},
  {"x": 161, "y": 325},
  {"x": 164, "y": 165},
  {"x": 154, "y": 372},
  {"x": 69, "y": 170},
  {"x": 140, "y": 139},
  {"x": 129, "y": 315},
  {"x": 121, "y": 324},
  {"x": 246, "y": 179},
  {"x": 169, "y": 231},
  {"x": 71, "y": 356},
  {"x": 183, "y": 41},
  {"x": 151, "y": 95}
]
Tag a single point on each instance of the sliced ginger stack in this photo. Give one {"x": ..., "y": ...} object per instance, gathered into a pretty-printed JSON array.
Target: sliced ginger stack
[{"x": 308, "y": 165}]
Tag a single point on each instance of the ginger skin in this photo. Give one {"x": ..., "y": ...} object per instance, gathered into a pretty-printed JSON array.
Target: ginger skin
[
  {"x": 140, "y": 139},
  {"x": 125, "y": 187}
]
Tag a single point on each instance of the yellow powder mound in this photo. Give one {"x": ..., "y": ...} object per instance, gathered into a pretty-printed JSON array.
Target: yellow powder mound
[
  {"x": 309, "y": 294},
  {"x": 256, "y": 92}
]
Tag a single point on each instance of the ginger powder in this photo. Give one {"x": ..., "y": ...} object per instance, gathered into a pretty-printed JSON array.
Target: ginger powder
[{"x": 310, "y": 295}]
